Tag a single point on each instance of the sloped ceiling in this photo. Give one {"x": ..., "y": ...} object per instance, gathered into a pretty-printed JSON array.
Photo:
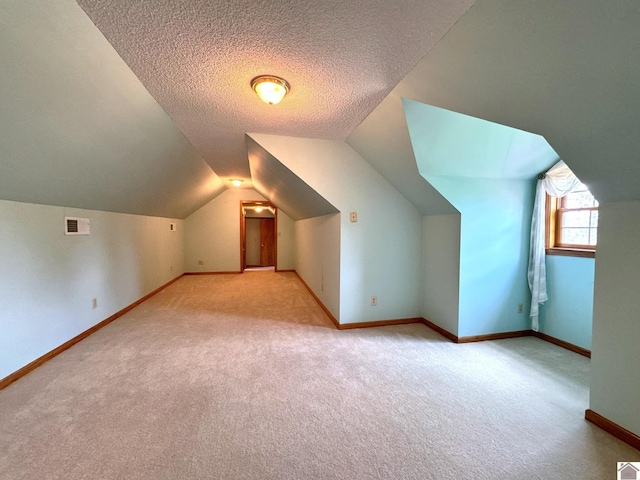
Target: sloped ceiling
[
  {"x": 451, "y": 144},
  {"x": 197, "y": 58},
  {"x": 565, "y": 70},
  {"x": 284, "y": 188},
  {"x": 383, "y": 140},
  {"x": 78, "y": 129}
]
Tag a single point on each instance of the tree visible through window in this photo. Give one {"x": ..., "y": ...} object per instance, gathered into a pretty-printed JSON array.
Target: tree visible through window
[{"x": 573, "y": 221}]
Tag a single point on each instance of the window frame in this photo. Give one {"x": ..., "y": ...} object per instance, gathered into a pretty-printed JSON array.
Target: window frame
[{"x": 553, "y": 224}]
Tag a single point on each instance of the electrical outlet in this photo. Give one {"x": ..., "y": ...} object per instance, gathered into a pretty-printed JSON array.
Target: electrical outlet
[
  {"x": 200, "y": 262},
  {"x": 94, "y": 303},
  {"x": 374, "y": 301},
  {"x": 520, "y": 308},
  {"x": 353, "y": 216}
]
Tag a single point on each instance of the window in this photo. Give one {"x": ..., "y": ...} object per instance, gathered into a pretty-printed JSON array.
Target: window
[{"x": 572, "y": 223}]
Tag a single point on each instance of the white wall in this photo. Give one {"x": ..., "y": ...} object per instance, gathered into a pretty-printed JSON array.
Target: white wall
[
  {"x": 380, "y": 254},
  {"x": 441, "y": 270},
  {"x": 615, "y": 384},
  {"x": 318, "y": 258},
  {"x": 286, "y": 242},
  {"x": 50, "y": 279},
  {"x": 213, "y": 233}
]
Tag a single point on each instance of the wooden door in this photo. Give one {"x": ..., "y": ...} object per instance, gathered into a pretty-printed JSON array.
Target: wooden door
[
  {"x": 243, "y": 240},
  {"x": 267, "y": 242}
]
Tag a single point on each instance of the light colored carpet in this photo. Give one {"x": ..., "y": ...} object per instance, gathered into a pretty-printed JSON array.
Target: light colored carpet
[{"x": 244, "y": 377}]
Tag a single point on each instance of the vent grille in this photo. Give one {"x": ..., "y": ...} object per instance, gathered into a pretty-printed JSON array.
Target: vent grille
[
  {"x": 72, "y": 225},
  {"x": 76, "y": 226}
]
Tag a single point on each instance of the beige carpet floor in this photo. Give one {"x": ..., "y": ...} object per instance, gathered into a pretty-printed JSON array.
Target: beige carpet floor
[{"x": 244, "y": 377}]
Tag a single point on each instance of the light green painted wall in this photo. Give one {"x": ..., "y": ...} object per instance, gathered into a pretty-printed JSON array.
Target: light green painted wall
[
  {"x": 380, "y": 253},
  {"x": 318, "y": 258},
  {"x": 486, "y": 170},
  {"x": 50, "y": 279},
  {"x": 568, "y": 314},
  {"x": 441, "y": 270},
  {"x": 447, "y": 143},
  {"x": 495, "y": 226},
  {"x": 615, "y": 383}
]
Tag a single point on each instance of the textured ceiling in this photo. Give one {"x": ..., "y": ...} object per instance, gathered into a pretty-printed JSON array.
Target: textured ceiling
[
  {"x": 78, "y": 128},
  {"x": 197, "y": 58}
]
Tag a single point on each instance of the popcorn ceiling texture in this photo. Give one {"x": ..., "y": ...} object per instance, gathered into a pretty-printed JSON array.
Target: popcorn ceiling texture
[{"x": 197, "y": 58}]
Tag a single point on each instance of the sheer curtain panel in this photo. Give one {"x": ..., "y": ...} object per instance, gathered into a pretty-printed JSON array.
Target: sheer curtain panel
[{"x": 558, "y": 181}]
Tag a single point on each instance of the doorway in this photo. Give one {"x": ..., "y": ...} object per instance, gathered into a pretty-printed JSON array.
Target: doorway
[{"x": 258, "y": 235}]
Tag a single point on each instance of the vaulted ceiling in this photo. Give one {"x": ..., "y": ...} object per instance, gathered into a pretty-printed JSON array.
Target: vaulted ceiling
[
  {"x": 197, "y": 58},
  {"x": 142, "y": 106}
]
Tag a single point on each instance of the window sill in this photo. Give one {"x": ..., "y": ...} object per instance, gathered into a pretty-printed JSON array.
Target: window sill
[{"x": 571, "y": 252}]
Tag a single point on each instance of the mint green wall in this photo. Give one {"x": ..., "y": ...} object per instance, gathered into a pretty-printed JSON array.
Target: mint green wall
[
  {"x": 50, "y": 279},
  {"x": 487, "y": 172},
  {"x": 568, "y": 313},
  {"x": 615, "y": 352},
  {"x": 495, "y": 223},
  {"x": 451, "y": 144}
]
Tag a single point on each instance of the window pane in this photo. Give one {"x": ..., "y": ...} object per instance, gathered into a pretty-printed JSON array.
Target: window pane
[
  {"x": 575, "y": 236},
  {"x": 581, "y": 199},
  {"x": 594, "y": 219},
  {"x": 593, "y": 236},
  {"x": 576, "y": 219}
]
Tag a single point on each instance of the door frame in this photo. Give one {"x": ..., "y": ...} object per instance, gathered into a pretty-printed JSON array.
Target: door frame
[{"x": 243, "y": 230}]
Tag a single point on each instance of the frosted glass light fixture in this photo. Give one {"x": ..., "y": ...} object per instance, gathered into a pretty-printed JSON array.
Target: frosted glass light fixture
[
  {"x": 236, "y": 183},
  {"x": 270, "y": 89}
]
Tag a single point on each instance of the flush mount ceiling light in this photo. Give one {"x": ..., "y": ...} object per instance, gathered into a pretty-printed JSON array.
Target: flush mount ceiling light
[
  {"x": 236, "y": 182},
  {"x": 270, "y": 89}
]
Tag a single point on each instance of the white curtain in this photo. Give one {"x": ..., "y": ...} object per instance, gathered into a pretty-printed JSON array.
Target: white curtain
[{"x": 557, "y": 182}]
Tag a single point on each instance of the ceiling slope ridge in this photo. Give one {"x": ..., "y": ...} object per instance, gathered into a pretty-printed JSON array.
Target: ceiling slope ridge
[
  {"x": 383, "y": 141},
  {"x": 333, "y": 169},
  {"x": 282, "y": 187}
]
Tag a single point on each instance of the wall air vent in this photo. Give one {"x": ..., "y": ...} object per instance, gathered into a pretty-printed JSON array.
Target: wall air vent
[{"x": 76, "y": 226}]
